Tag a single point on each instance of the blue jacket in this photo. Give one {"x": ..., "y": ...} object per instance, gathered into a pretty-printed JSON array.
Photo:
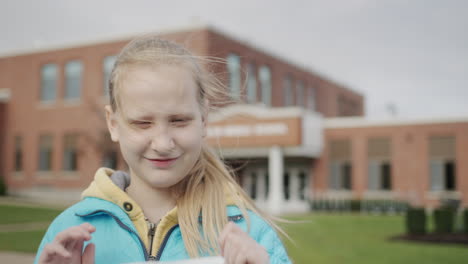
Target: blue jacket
[{"x": 117, "y": 240}]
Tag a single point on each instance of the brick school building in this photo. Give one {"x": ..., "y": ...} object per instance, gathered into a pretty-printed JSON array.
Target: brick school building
[{"x": 295, "y": 138}]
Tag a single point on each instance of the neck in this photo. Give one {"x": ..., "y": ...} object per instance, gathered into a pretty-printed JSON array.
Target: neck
[{"x": 154, "y": 202}]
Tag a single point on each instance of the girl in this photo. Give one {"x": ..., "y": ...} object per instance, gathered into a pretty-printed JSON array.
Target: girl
[{"x": 179, "y": 200}]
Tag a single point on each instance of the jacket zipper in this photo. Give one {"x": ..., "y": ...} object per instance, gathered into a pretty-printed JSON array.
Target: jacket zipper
[{"x": 151, "y": 232}]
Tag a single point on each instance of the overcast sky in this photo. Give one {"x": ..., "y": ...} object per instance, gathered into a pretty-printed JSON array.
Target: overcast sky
[{"x": 409, "y": 53}]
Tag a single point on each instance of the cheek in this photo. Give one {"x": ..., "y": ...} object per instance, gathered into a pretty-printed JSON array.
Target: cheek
[
  {"x": 133, "y": 140},
  {"x": 189, "y": 138}
]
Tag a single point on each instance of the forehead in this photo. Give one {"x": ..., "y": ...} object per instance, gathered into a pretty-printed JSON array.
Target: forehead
[{"x": 157, "y": 89}]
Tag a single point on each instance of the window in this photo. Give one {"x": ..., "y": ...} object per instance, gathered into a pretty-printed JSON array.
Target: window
[
  {"x": 443, "y": 175},
  {"x": 251, "y": 83},
  {"x": 300, "y": 93},
  {"x": 70, "y": 153},
  {"x": 233, "y": 64},
  {"x": 287, "y": 90},
  {"x": 379, "y": 175},
  {"x": 18, "y": 154},
  {"x": 340, "y": 168},
  {"x": 73, "y": 72},
  {"x": 45, "y": 152},
  {"x": 340, "y": 175},
  {"x": 110, "y": 160},
  {"x": 346, "y": 176},
  {"x": 386, "y": 172},
  {"x": 107, "y": 66},
  {"x": 449, "y": 179},
  {"x": 48, "y": 82},
  {"x": 311, "y": 99},
  {"x": 442, "y": 164},
  {"x": 379, "y": 166},
  {"x": 267, "y": 184},
  {"x": 265, "y": 83}
]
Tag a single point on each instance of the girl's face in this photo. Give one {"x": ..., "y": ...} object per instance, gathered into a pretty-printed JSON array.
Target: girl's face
[{"x": 159, "y": 124}]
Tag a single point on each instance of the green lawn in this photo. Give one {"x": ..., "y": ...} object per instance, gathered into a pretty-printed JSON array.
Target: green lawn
[
  {"x": 23, "y": 241},
  {"x": 347, "y": 238},
  {"x": 318, "y": 238},
  {"x": 12, "y": 214}
]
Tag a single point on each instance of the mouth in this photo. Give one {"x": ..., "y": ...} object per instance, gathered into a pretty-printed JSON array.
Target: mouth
[{"x": 162, "y": 163}]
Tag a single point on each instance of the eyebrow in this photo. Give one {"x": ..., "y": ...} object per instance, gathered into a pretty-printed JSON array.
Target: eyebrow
[
  {"x": 183, "y": 114},
  {"x": 139, "y": 117},
  {"x": 150, "y": 117}
]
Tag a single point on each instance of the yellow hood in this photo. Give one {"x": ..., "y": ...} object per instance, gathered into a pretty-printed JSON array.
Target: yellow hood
[{"x": 104, "y": 188}]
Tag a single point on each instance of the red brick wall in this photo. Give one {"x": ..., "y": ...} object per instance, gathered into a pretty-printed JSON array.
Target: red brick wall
[{"x": 409, "y": 158}]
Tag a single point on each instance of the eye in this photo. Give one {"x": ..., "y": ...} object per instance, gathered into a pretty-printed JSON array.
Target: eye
[
  {"x": 141, "y": 124},
  {"x": 180, "y": 121}
]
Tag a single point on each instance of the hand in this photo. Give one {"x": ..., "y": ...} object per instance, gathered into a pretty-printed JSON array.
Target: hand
[
  {"x": 237, "y": 247},
  {"x": 67, "y": 247}
]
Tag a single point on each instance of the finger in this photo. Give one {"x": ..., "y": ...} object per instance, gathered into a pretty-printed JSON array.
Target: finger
[
  {"x": 75, "y": 240},
  {"x": 73, "y": 233},
  {"x": 231, "y": 248},
  {"x": 227, "y": 252},
  {"x": 222, "y": 237},
  {"x": 240, "y": 258},
  {"x": 87, "y": 226},
  {"x": 54, "y": 251},
  {"x": 88, "y": 254}
]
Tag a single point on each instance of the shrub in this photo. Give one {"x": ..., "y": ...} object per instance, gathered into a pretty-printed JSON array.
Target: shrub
[
  {"x": 3, "y": 188},
  {"x": 355, "y": 205},
  {"x": 415, "y": 221},
  {"x": 444, "y": 220}
]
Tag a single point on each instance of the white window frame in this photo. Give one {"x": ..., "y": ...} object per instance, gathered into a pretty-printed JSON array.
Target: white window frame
[
  {"x": 266, "y": 84},
  {"x": 73, "y": 80},
  {"x": 234, "y": 70}
]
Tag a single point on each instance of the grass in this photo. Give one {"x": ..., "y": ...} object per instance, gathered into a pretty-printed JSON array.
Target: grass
[
  {"x": 23, "y": 241},
  {"x": 362, "y": 239},
  {"x": 319, "y": 238},
  {"x": 12, "y": 214}
]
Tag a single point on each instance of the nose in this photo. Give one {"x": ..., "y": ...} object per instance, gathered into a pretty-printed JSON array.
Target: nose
[{"x": 162, "y": 141}]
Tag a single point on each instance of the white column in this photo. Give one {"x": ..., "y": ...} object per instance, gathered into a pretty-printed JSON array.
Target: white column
[
  {"x": 275, "y": 171},
  {"x": 294, "y": 185}
]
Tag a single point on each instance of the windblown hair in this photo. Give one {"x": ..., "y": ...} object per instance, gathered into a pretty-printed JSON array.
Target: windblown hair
[{"x": 203, "y": 192}]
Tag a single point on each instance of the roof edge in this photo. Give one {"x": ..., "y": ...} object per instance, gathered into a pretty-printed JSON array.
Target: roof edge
[{"x": 357, "y": 122}]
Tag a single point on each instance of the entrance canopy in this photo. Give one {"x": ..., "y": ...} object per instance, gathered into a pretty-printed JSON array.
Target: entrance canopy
[
  {"x": 4, "y": 95},
  {"x": 247, "y": 131}
]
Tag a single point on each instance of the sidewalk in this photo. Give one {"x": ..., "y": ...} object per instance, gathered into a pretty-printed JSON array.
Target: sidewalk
[
  {"x": 23, "y": 201},
  {"x": 16, "y": 258}
]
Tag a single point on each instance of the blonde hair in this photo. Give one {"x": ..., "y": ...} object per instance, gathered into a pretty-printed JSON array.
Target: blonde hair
[{"x": 203, "y": 191}]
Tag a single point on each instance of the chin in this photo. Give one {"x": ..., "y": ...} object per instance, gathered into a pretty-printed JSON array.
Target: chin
[{"x": 161, "y": 183}]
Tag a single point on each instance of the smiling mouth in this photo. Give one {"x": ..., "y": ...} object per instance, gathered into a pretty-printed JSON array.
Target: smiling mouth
[{"x": 162, "y": 163}]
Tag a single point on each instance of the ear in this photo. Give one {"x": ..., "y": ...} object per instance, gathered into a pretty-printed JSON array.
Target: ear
[{"x": 112, "y": 123}]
